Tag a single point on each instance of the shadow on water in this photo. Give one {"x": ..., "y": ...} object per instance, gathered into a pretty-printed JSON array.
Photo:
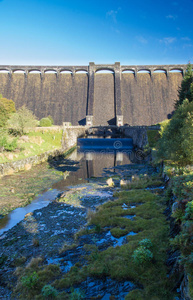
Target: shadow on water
[{"x": 94, "y": 158}]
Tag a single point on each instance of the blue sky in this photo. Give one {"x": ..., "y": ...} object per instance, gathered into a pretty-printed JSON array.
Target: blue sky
[{"x": 72, "y": 32}]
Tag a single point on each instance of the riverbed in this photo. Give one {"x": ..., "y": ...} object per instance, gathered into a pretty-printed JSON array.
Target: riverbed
[{"x": 51, "y": 221}]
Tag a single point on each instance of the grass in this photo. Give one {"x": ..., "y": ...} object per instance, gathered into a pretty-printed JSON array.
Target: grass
[
  {"x": 143, "y": 182},
  {"x": 35, "y": 144},
  {"x": 117, "y": 262}
]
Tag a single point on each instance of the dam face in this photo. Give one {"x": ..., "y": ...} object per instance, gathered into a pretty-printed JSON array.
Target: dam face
[{"x": 141, "y": 95}]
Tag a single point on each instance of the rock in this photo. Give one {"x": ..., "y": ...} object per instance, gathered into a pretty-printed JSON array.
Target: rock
[
  {"x": 12, "y": 190},
  {"x": 175, "y": 206},
  {"x": 124, "y": 182},
  {"x": 110, "y": 182},
  {"x": 9, "y": 156},
  {"x": 28, "y": 215},
  {"x": 24, "y": 138},
  {"x": 28, "y": 167}
]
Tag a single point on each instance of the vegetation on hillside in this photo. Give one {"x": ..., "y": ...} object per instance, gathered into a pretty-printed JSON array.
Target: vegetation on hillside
[
  {"x": 175, "y": 147},
  {"x": 7, "y": 108},
  {"x": 18, "y": 139},
  {"x": 22, "y": 120},
  {"x": 186, "y": 89}
]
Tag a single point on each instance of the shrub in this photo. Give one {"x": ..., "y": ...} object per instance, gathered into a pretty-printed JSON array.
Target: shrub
[
  {"x": 153, "y": 137},
  {"x": 51, "y": 119},
  {"x": 146, "y": 243},
  {"x": 3, "y": 115},
  {"x": 142, "y": 255},
  {"x": 77, "y": 295},
  {"x": 8, "y": 146},
  {"x": 7, "y": 107},
  {"x": 189, "y": 210},
  {"x": 22, "y": 120},
  {"x": 8, "y": 104},
  {"x": 45, "y": 122},
  {"x": 49, "y": 291},
  {"x": 135, "y": 295},
  {"x": 30, "y": 281}
]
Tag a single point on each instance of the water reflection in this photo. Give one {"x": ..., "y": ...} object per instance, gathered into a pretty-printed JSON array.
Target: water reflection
[{"x": 92, "y": 159}]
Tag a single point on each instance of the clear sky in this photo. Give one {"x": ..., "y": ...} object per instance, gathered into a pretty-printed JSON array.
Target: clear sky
[{"x": 72, "y": 32}]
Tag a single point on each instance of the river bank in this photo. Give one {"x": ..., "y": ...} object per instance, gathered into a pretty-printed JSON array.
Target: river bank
[{"x": 22, "y": 188}]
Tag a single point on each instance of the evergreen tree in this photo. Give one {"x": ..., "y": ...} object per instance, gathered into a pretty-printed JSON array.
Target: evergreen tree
[
  {"x": 186, "y": 89},
  {"x": 176, "y": 143}
]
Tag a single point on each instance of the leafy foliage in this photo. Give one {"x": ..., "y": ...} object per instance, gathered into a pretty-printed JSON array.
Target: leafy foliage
[
  {"x": 176, "y": 136},
  {"x": 30, "y": 281},
  {"x": 186, "y": 89},
  {"x": 8, "y": 146},
  {"x": 49, "y": 291},
  {"x": 3, "y": 115},
  {"x": 51, "y": 119},
  {"x": 142, "y": 254},
  {"x": 7, "y": 107},
  {"x": 45, "y": 122},
  {"x": 153, "y": 137},
  {"x": 8, "y": 104},
  {"x": 22, "y": 120}
]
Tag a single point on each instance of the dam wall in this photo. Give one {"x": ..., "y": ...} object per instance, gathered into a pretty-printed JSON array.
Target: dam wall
[{"x": 141, "y": 95}]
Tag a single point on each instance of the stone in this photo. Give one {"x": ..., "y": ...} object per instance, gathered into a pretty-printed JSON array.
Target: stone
[
  {"x": 175, "y": 206},
  {"x": 110, "y": 182},
  {"x": 124, "y": 182},
  {"x": 9, "y": 156},
  {"x": 28, "y": 167},
  {"x": 24, "y": 138}
]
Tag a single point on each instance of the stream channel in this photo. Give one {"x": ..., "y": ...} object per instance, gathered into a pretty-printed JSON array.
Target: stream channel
[
  {"x": 84, "y": 164},
  {"x": 83, "y": 185}
]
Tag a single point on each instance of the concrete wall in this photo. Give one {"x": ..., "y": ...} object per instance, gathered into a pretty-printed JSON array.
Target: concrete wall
[{"x": 142, "y": 98}]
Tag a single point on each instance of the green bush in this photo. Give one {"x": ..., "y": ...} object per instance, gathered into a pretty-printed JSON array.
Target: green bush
[
  {"x": 45, "y": 122},
  {"x": 8, "y": 146},
  {"x": 135, "y": 295},
  {"x": 7, "y": 107},
  {"x": 77, "y": 295},
  {"x": 51, "y": 119},
  {"x": 30, "y": 281},
  {"x": 8, "y": 104},
  {"x": 153, "y": 137},
  {"x": 49, "y": 291},
  {"x": 146, "y": 243},
  {"x": 189, "y": 210},
  {"x": 142, "y": 255},
  {"x": 22, "y": 120},
  {"x": 3, "y": 115}
]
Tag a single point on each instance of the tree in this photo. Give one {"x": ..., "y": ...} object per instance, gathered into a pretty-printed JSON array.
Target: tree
[
  {"x": 22, "y": 120},
  {"x": 176, "y": 142},
  {"x": 7, "y": 107},
  {"x": 186, "y": 89},
  {"x": 45, "y": 122}
]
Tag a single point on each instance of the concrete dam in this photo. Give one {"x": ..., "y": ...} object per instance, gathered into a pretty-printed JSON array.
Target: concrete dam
[{"x": 134, "y": 95}]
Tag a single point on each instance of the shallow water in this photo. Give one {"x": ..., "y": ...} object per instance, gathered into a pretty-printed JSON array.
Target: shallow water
[{"x": 81, "y": 167}]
